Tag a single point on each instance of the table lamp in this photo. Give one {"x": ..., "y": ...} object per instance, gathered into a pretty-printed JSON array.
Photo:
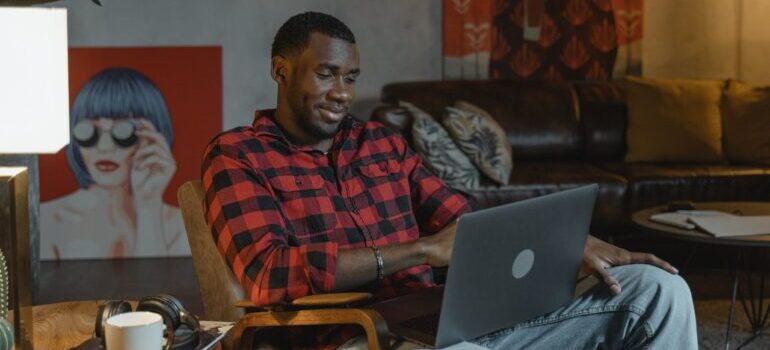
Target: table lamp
[{"x": 34, "y": 119}]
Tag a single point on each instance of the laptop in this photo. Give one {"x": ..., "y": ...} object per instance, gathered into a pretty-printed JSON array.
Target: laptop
[{"x": 509, "y": 264}]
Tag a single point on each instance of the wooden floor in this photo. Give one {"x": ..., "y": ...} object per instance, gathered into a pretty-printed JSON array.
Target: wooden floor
[
  {"x": 135, "y": 278},
  {"x": 119, "y": 279}
]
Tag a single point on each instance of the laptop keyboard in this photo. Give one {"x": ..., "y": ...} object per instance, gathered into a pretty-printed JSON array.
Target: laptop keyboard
[{"x": 427, "y": 324}]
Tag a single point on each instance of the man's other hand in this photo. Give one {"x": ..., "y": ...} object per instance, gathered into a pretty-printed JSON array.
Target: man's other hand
[
  {"x": 437, "y": 248},
  {"x": 599, "y": 256}
]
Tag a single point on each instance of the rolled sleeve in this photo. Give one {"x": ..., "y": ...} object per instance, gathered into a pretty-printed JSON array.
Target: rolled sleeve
[
  {"x": 435, "y": 204},
  {"x": 251, "y": 233}
]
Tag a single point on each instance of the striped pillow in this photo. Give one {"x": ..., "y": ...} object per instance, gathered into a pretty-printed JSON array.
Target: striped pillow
[
  {"x": 439, "y": 152},
  {"x": 481, "y": 139}
]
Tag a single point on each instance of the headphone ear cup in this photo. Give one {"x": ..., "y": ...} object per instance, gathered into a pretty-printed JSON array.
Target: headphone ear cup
[
  {"x": 160, "y": 304},
  {"x": 185, "y": 339},
  {"x": 183, "y": 324},
  {"x": 174, "y": 304},
  {"x": 185, "y": 317},
  {"x": 108, "y": 309}
]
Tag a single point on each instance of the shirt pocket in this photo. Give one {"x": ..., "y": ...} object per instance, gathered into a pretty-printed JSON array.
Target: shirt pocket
[
  {"x": 297, "y": 183},
  {"x": 305, "y": 205},
  {"x": 389, "y": 168},
  {"x": 385, "y": 186}
]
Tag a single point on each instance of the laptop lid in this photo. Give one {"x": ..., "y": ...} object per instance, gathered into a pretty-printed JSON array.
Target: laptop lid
[{"x": 514, "y": 262}]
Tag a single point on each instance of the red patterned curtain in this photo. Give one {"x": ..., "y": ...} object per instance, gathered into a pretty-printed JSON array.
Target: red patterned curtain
[
  {"x": 467, "y": 39},
  {"x": 542, "y": 39}
]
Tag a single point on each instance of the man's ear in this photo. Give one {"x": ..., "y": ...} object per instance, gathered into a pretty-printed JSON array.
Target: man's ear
[{"x": 279, "y": 69}]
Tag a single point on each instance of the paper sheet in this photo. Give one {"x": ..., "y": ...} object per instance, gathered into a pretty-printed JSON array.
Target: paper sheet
[
  {"x": 681, "y": 218},
  {"x": 733, "y": 226}
]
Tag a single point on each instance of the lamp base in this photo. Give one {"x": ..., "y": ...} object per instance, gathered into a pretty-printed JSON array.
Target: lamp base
[{"x": 14, "y": 224}]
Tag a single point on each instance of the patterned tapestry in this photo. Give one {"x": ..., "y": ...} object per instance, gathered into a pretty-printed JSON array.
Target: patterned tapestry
[
  {"x": 467, "y": 40},
  {"x": 542, "y": 39}
]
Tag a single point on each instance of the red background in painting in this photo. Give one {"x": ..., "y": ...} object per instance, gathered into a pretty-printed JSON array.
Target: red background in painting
[{"x": 190, "y": 79}]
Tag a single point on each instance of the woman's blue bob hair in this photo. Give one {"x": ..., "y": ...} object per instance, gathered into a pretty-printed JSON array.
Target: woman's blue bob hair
[{"x": 116, "y": 93}]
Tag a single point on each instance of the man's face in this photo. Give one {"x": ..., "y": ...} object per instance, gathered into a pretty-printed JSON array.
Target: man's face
[{"x": 321, "y": 85}]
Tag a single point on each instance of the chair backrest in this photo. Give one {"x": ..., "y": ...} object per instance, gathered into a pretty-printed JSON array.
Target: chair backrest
[{"x": 219, "y": 288}]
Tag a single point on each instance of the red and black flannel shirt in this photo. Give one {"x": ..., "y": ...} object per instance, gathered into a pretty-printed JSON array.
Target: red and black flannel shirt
[{"x": 279, "y": 213}]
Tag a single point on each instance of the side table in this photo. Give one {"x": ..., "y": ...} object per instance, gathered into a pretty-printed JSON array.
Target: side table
[{"x": 66, "y": 325}]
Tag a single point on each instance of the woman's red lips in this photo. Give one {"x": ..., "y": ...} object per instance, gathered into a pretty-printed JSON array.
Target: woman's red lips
[{"x": 107, "y": 165}]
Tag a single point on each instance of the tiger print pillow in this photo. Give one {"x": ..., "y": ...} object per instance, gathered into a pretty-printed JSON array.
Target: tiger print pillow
[
  {"x": 481, "y": 139},
  {"x": 439, "y": 152}
]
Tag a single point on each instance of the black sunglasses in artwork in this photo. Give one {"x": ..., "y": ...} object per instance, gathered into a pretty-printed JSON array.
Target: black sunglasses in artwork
[{"x": 86, "y": 134}]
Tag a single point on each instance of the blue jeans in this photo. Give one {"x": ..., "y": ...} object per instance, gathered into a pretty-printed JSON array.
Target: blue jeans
[{"x": 653, "y": 311}]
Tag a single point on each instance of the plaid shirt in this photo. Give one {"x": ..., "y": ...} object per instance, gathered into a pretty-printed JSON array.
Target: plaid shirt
[{"x": 279, "y": 212}]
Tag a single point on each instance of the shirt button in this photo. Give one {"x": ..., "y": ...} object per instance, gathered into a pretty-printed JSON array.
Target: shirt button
[{"x": 298, "y": 182}]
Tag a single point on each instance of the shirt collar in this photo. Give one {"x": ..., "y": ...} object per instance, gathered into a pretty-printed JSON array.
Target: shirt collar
[{"x": 264, "y": 125}]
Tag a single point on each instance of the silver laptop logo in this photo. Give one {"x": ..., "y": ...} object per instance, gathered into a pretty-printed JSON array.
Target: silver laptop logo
[{"x": 523, "y": 263}]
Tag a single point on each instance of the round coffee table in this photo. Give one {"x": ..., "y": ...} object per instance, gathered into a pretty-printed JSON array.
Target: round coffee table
[
  {"x": 757, "y": 316},
  {"x": 642, "y": 219}
]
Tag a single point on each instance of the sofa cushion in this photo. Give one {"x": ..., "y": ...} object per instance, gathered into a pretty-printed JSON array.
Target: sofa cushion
[
  {"x": 746, "y": 116},
  {"x": 655, "y": 184},
  {"x": 439, "y": 152},
  {"x": 395, "y": 117},
  {"x": 481, "y": 139},
  {"x": 540, "y": 118},
  {"x": 532, "y": 179},
  {"x": 603, "y": 115},
  {"x": 675, "y": 120}
]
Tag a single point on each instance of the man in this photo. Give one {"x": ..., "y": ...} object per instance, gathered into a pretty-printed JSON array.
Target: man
[{"x": 311, "y": 200}]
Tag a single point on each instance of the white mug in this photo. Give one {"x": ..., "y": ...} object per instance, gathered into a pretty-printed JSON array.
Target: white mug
[{"x": 138, "y": 330}]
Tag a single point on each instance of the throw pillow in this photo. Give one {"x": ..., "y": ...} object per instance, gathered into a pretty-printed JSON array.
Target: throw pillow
[
  {"x": 674, "y": 120},
  {"x": 746, "y": 121},
  {"x": 439, "y": 152},
  {"x": 480, "y": 137}
]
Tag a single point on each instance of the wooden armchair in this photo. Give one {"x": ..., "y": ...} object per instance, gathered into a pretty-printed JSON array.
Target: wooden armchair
[{"x": 224, "y": 300}]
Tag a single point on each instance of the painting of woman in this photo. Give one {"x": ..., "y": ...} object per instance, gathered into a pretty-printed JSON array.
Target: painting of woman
[{"x": 120, "y": 154}]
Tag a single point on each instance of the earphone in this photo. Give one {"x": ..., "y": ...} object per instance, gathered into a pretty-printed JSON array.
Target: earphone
[{"x": 181, "y": 326}]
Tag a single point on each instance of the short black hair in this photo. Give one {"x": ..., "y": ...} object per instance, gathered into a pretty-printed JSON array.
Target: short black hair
[{"x": 295, "y": 32}]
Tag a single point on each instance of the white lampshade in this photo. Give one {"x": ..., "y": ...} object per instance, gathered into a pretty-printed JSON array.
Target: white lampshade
[{"x": 34, "y": 90}]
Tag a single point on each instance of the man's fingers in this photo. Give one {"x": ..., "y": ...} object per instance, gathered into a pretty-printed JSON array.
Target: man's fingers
[
  {"x": 646, "y": 258},
  {"x": 610, "y": 281}
]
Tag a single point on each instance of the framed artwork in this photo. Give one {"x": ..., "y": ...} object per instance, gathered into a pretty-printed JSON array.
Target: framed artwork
[{"x": 140, "y": 118}]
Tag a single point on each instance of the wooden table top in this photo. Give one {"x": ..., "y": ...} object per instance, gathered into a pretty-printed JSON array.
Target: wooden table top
[
  {"x": 64, "y": 325},
  {"x": 642, "y": 219}
]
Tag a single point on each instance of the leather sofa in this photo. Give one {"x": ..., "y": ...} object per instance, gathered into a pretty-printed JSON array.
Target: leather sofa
[{"x": 566, "y": 135}]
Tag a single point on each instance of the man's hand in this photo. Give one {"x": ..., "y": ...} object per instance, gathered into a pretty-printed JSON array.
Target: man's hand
[
  {"x": 438, "y": 248},
  {"x": 598, "y": 256}
]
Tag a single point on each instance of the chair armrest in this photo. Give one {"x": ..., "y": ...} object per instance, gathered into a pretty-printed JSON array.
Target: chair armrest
[
  {"x": 317, "y": 300},
  {"x": 377, "y": 333}
]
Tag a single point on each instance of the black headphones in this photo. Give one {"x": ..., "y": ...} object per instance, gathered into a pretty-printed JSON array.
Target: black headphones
[{"x": 181, "y": 326}]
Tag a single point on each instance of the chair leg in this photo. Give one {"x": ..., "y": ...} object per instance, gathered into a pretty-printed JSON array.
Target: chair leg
[
  {"x": 377, "y": 333},
  {"x": 374, "y": 325}
]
